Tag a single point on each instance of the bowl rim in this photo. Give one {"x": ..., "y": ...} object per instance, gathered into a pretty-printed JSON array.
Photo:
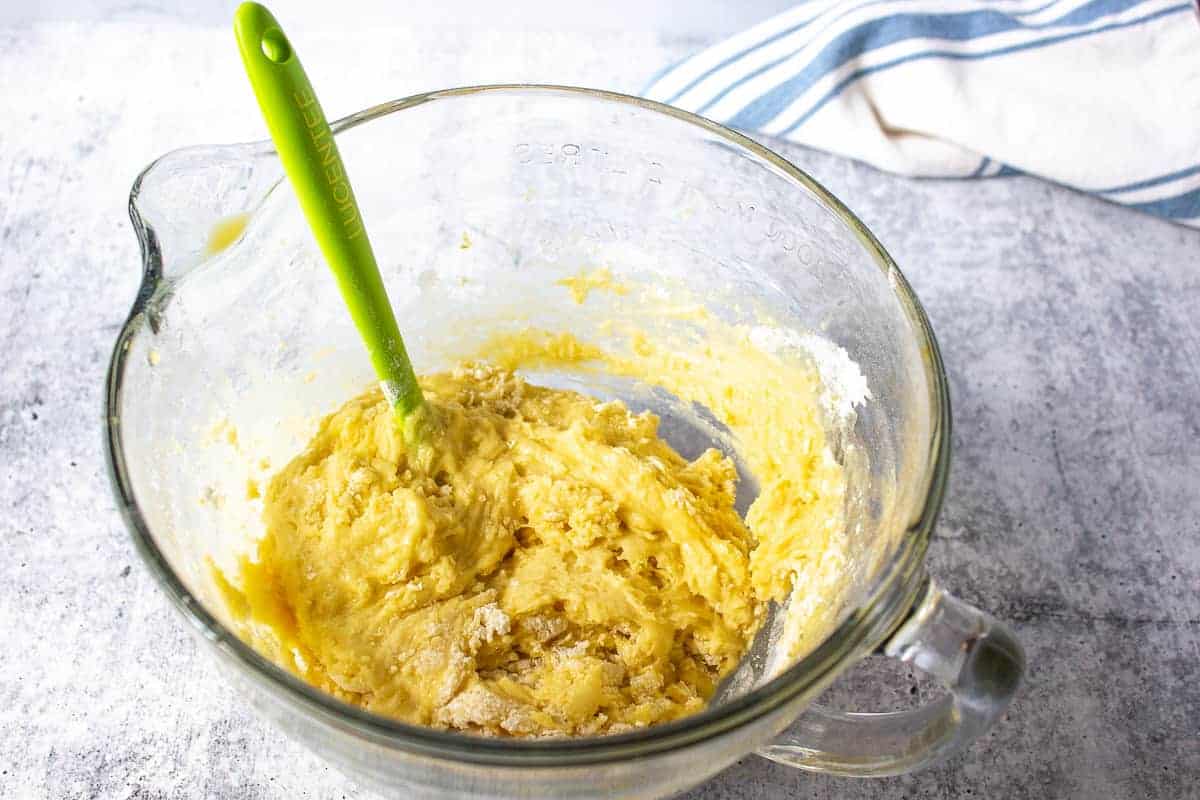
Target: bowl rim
[{"x": 886, "y": 603}]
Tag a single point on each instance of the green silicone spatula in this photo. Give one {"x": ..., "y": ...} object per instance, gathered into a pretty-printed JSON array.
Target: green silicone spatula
[{"x": 314, "y": 166}]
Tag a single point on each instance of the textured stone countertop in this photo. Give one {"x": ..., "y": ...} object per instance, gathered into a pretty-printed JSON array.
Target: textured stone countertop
[{"x": 1068, "y": 328}]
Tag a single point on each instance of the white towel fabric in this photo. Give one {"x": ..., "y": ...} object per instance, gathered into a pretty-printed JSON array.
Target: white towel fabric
[{"x": 1100, "y": 95}]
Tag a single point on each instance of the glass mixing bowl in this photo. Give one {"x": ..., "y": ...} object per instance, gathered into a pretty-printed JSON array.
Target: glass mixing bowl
[{"x": 478, "y": 200}]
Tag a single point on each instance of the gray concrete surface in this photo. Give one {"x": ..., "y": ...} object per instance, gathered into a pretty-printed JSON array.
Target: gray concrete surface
[{"x": 1068, "y": 328}]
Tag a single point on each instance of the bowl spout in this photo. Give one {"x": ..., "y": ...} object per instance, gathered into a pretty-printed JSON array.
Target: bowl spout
[{"x": 180, "y": 199}]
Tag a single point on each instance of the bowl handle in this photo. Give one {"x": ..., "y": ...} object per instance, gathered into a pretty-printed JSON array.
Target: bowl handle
[{"x": 975, "y": 656}]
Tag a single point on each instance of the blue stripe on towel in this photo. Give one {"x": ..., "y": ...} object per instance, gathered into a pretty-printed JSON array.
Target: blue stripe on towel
[
  {"x": 662, "y": 73},
  {"x": 749, "y": 122},
  {"x": 876, "y": 33},
  {"x": 756, "y": 46},
  {"x": 785, "y": 32},
  {"x": 1181, "y": 206},
  {"x": 764, "y": 43},
  {"x": 984, "y": 164},
  {"x": 1150, "y": 182}
]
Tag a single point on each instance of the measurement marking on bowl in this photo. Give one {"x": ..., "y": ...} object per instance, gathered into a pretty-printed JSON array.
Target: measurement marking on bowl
[{"x": 642, "y": 175}]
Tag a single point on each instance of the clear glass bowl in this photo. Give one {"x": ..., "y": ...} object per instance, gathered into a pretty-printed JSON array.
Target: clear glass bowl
[{"x": 215, "y": 368}]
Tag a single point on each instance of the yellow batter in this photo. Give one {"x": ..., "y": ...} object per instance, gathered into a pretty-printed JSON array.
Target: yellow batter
[{"x": 550, "y": 566}]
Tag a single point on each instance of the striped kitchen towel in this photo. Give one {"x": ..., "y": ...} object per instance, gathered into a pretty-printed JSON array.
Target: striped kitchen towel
[{"x": 1099, "y": 95}]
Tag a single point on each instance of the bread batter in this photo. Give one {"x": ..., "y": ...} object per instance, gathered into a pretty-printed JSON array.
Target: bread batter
[{"x": 549, "y": 566}]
